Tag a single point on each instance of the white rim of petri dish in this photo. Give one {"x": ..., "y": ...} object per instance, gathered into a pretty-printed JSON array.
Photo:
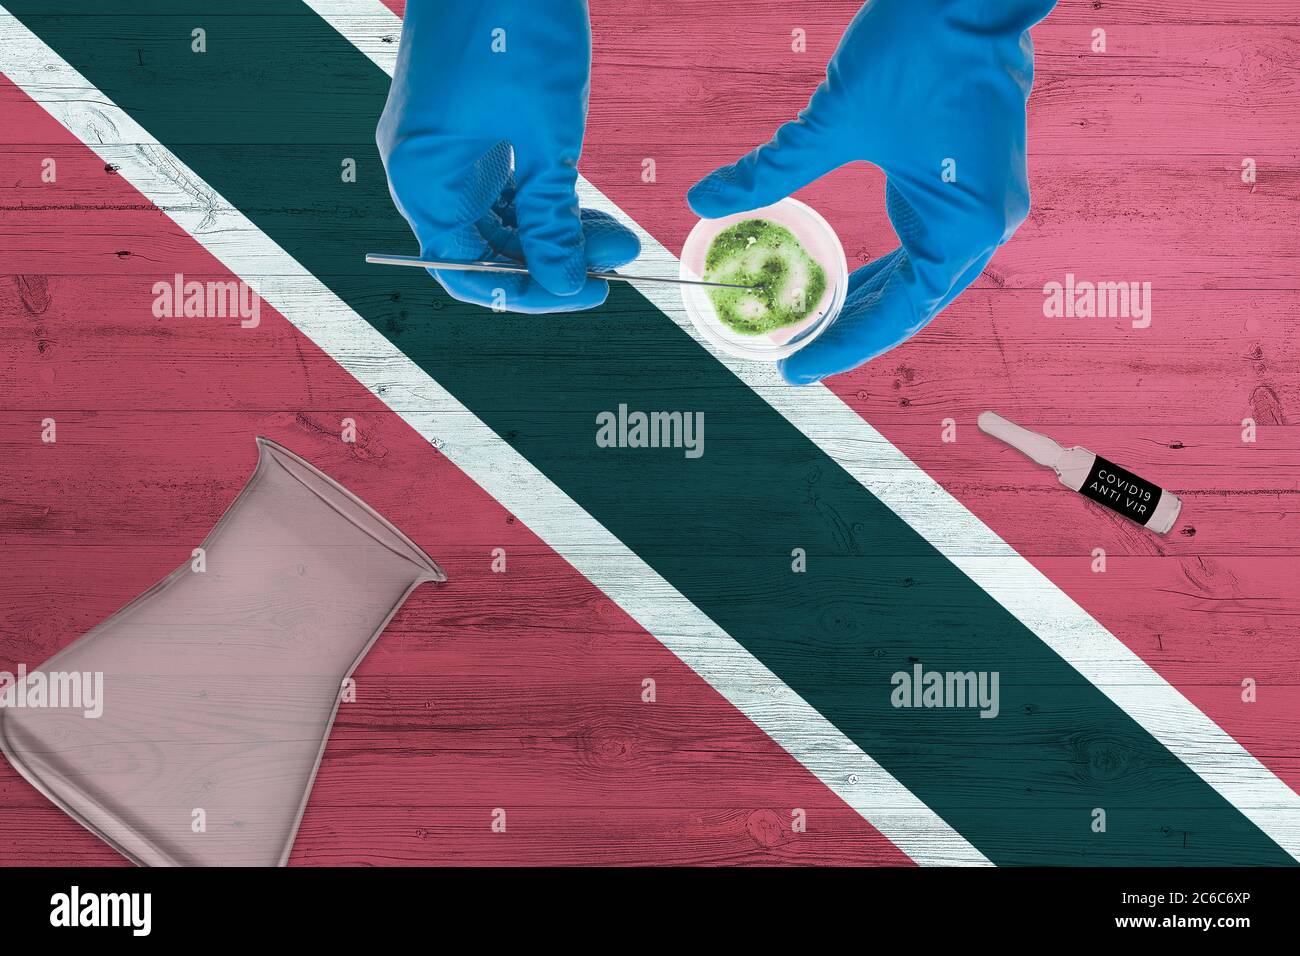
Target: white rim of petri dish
[{"x": 813, "y": 232}]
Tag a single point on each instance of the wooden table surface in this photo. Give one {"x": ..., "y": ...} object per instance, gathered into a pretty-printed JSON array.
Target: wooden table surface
[{"x": 526, "y": 695}]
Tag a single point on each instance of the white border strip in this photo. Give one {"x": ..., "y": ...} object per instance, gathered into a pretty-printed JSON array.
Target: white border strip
[
  {"x": 474, "y": 448},
  {"x": 1160, "y": 708}
]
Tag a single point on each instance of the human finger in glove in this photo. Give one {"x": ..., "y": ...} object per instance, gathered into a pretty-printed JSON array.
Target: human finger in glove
[
  {"x": 933, "y": 92},
  {"x": 480, "y": 138}
]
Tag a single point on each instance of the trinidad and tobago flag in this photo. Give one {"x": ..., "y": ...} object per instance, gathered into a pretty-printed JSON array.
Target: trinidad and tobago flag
[{"x": 626, "y": 659}]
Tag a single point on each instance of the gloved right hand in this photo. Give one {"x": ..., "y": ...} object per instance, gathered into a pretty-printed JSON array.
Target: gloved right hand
[
  {"x": 477, "y": 84},
  {"x": 933, "y": 92}
]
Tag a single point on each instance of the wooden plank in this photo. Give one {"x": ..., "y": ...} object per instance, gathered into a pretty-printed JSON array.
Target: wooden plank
[{"x": 1119, "y": 185}]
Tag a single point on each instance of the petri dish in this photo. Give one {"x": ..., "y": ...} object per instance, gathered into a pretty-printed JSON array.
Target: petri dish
[{"x": 816, "y": 237}]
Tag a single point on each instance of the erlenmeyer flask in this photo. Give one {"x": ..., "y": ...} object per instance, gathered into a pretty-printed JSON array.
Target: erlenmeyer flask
[{"x": 221, "y": 681}]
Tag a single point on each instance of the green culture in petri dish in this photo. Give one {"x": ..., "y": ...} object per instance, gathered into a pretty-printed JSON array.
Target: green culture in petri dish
[{"x": 758, "y": 252}]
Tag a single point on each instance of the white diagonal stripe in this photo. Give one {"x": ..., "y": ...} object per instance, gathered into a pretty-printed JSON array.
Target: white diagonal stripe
[
  {"x": 473, "y": 447},
  {"x": 1069, "y": 630}
]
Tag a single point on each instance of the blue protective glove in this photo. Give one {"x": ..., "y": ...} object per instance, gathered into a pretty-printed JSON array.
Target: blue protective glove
[
  {"x": 913, "y": 83},
  {"x": 464, "y": 93}
]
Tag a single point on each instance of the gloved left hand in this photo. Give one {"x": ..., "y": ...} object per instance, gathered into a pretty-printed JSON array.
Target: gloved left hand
[{"x": 478, "y": 84}]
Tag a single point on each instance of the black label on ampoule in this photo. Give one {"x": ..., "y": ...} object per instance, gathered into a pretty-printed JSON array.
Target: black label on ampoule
[{"x": 1120, "y": 490}]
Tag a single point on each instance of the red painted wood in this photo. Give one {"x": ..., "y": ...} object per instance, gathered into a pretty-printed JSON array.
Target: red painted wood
[
  {"x": 1135, "y": 162},
  {"x": 519, "y": 690}
]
